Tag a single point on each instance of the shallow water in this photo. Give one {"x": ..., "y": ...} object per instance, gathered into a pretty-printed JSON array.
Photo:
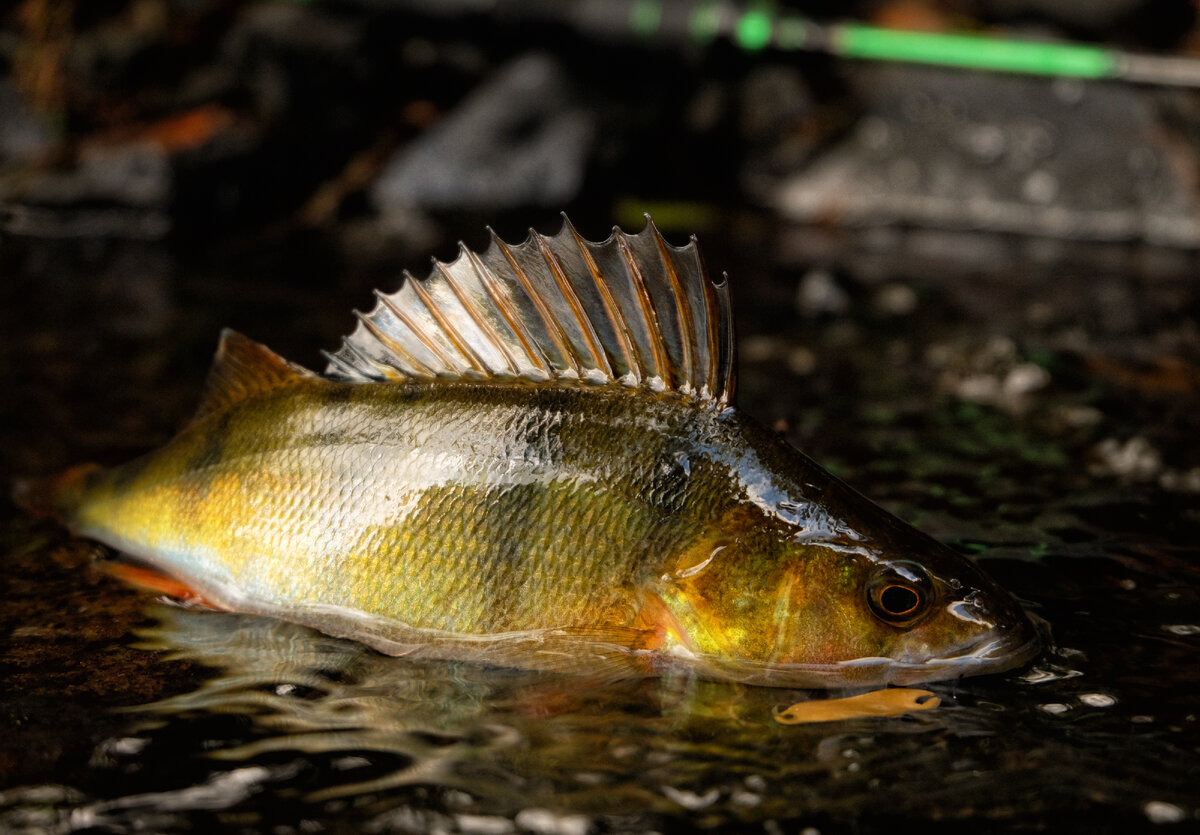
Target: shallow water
[{"x": 1033, "y": 405}]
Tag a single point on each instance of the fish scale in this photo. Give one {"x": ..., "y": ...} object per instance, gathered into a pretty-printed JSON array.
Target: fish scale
[{"x": 405, "y": 569}]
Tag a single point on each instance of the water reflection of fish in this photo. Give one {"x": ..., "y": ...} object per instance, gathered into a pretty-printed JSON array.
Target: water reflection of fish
[{"x": 531, "y": 459}]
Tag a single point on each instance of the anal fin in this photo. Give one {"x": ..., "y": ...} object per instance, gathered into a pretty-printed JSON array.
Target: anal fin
[{"x": 149, "y": 578}]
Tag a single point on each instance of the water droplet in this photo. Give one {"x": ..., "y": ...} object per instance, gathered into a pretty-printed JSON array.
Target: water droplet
[
  {"x": 1042, "y": 675},
  {"x": 454, "y": 797},
  {"x": 1097, "y": 700},
  {"x": 1182, "y": 629},
  {"x": 545, "y": 822},
  {"x": 1159, "y": 811},
  {"x": 1055, "y": 708},
  {"x": 689, "y": 799},
  {"x": 128, "y": 745},
  {"x": 484, "y": 824}
]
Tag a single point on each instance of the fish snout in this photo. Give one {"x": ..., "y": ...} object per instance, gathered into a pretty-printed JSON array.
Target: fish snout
[{"x": 1002, "y": 631}]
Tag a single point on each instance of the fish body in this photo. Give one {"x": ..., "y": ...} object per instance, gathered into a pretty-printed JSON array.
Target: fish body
[{"x": 614, "y": 520}]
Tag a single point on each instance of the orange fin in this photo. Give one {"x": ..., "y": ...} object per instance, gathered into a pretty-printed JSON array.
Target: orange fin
[
  {"x": 244, "y": 368},
  {"x": 148, "y": 578},
  {"x": 893, "y": 701}
]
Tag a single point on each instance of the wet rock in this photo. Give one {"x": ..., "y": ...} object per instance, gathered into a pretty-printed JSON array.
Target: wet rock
[
  {"x": 1158, "y": 811},
  {"x": 1131, "y": 460},
  {"x": 993, "y": 374},
  {"x": 1001, "y": 153},
  {"x": 1185, "y": 481},
  {"x": 546, "y": 822},
  {"x": 132, "y": 174},
  {"x": 520, "y": 139}
]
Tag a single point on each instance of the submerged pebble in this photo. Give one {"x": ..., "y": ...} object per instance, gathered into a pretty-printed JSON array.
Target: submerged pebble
[
  {"x": 1134, "y": 460},
  {"x": 547, "y": 822},
  {"x": 1183, "y": 629},
  {"x": 1159, "y": 811}
]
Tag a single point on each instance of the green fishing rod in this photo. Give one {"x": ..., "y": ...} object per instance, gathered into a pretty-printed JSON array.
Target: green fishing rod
[{"x": 759, "y": 26}]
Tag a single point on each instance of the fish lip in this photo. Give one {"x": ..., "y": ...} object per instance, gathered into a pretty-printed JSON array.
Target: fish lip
[{"x": 995, "y": 652}]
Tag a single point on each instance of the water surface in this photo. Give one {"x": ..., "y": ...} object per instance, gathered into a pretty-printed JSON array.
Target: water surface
[{"x": 1034, "y": 408}]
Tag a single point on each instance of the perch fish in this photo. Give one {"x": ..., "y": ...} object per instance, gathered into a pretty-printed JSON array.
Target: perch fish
[{"x": 531, "y": 458}]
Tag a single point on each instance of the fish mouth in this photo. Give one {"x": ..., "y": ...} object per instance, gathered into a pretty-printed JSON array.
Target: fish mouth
[{"x": 994, "y": 652}]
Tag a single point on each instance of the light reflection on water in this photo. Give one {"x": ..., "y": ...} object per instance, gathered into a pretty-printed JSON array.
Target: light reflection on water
[
  {"x": 501, "y": 742},
  {"x": 296, "y": 726}
]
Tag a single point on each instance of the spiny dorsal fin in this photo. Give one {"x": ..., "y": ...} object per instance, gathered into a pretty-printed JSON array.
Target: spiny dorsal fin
[
  {"x": 242, "y": 368},
  {"x": 632, "y": 309}
]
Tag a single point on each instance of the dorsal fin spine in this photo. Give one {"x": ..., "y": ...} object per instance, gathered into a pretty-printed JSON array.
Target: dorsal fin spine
[
  {"x": 504, "y": 305},
  {"x": 687, "y": 328},
  {"x": 461, "y": 345},
  {"x": 338, "y": 367},
  {"x": 427, "y": 342},
  {"x": 382, "y": 370},
  {"x": 552, "y": 327},
  {"x": 412, "y": 367},
  {"x": 661, "y": 362},
  {"x": 611, "y": 308},
  {"x": 471, "y": 307},
  {"x": 725, "y": 381},
  {"x": 572, "y": 298},
  {"x": 711, "y": 300}
]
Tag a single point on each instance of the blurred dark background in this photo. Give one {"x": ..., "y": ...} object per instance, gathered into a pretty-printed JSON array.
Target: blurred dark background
[
  {"x": 378, "y": 124},
  {"x": 171, "y": 167}
]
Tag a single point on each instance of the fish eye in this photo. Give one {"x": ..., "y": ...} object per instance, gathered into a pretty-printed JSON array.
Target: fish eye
[{"x": 900, "y": 594}]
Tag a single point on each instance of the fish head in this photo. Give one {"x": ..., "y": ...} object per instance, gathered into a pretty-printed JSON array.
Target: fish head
[{"x": 833, "y": 606}]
